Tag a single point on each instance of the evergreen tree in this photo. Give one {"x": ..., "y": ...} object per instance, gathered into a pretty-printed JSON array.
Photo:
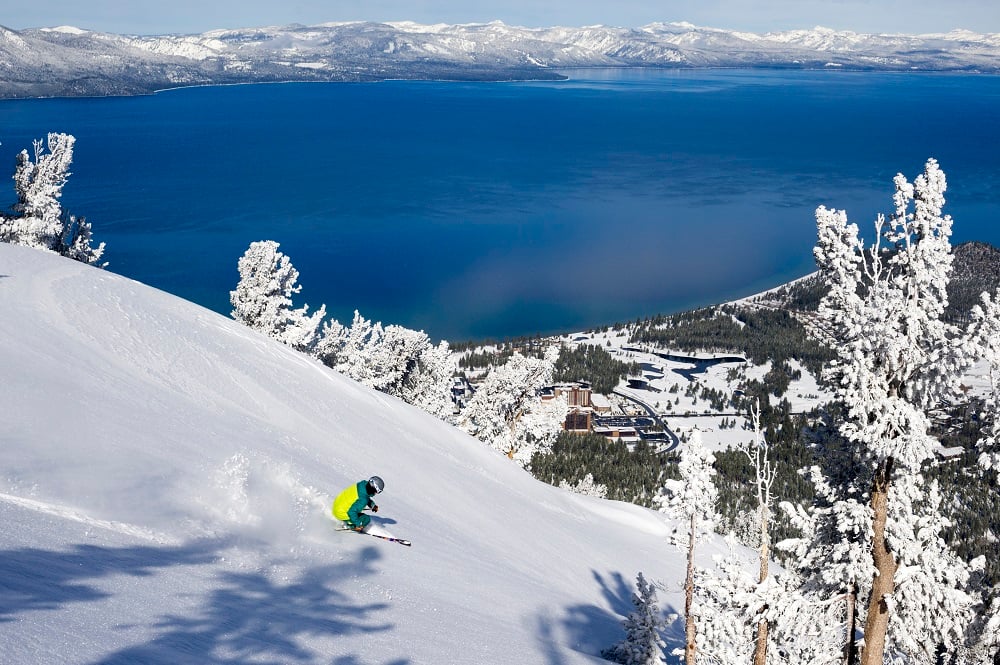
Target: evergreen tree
[
  {"x": 392, "y": 355},
  {"x": 988, "y": 315},
  {"x": 263, "y": 298},
  {"x": 428, "y": 382},
  {"x": 39, "y": 220},
  {"x": 726, "y": 609},
  {"x": 392, "y": 359},
  {"x": 833, "y": 561},
  {"x": 507, "y": 413},
  {"x": 986, "y": 648},
  {"x": 642, "y": 644},
  {"x": 896, "y": 360},
  {"x": 586, "y": 486},
  {"x": 76, "y": 241},
  {"x": 757, "y": 452},
  {"x": 344, "y": 348},
  {"x": 691, "y": 500}
]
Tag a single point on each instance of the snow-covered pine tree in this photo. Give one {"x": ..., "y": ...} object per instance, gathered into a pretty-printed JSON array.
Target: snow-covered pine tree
[
  {"x": 987, "y": 314},
  {"x": 727, "y": 605},
  {"x": 538, "y": 428},
  {"x": 985, "y": 632},
  {"x": 345, "y": 348},
  {"x": 263, "y": 298},
  {"x": 733, "y": 612},
  {"x": 897, "y": 359},
  {"x": 392, "y": 352},
  {"x": 691, "y": 501},
  {"x": 831, "y": 558},
  {"x": 507, "y": 413},
  {"x": 758, "y": 452},
  {"x": 38, "y": 185},
  {"x": 986, "y": 647},
  {"x": 76, "y": 241},
  {"x": 586, "y": 486},
  {"x": 730, "y": 604},
  {"x": 428, "y": 383},
  {"x": 39, "y": 220},
  {"x": 392, "y": 359},
  {"x": 642, "y": 644}
]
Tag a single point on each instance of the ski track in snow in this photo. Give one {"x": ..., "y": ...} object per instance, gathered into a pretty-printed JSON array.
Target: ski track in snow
[{"x": 68, "y": 513}]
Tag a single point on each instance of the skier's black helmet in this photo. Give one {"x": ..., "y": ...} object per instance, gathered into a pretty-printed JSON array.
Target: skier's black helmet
[{"x": 375, "y": 485}]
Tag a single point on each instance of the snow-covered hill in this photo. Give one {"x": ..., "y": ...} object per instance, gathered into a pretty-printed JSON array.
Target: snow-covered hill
[
  {"x": 71, "y": 61},
  {"x": 165, "y": 487}
]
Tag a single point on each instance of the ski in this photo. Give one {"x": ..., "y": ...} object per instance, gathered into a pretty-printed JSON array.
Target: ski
[
  {"x": 391, "y": 540},
  {"x": 401, "y": 541}
]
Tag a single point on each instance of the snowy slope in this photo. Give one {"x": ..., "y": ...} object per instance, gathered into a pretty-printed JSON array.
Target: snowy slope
[{"x": 166, "y": 477}]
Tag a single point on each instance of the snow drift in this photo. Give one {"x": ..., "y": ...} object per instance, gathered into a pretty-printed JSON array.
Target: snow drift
[{"x": 166, "y": 482}]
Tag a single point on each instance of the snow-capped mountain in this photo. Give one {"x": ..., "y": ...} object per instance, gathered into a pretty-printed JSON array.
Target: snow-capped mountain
[
  {"x": 167, "y": 475},
  {"x": 70, "y": 61}
]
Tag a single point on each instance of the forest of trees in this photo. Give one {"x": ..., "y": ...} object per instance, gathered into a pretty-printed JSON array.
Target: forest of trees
[
  {"x": 634, "y": 475},
  {"x": 591, "y": 363},
  {"x": 790, "y": 453},
  {"x": 760, "y": 334},
  {"x": 970, "y": 489}
]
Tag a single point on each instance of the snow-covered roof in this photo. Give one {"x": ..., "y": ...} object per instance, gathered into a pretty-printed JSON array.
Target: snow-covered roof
[{"x": 600, "y": 401}]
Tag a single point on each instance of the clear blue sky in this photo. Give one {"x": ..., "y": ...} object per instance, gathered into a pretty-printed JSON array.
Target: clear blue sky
[{"x": 191, "y": 16}]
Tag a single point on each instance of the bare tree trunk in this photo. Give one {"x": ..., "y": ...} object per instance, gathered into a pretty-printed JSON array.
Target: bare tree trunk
[
  {"x": 850, "y": 647},
  {"x": 877, "y": 622},
  {"x": 689, "y": 629},
  {"x": 760, "y": 650},
  {"x": 758, "y": 454},
  {"x": 512, "y": 424}
]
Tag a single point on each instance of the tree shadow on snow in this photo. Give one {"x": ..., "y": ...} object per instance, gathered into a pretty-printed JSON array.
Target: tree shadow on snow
[
  {"x": 244, "y": 617},
  {"x": 250, "y": 617},
  {"x": 37, "y": 579},
  {"x": 590, "y": 629}
]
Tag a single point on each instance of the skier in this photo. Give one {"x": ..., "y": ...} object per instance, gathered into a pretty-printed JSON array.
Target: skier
[{"x": 348, "y": 505}]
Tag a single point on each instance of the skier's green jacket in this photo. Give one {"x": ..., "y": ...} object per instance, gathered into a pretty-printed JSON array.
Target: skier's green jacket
[{"x": 349, "y": 504}]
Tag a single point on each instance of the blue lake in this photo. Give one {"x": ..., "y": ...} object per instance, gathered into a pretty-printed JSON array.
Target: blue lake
[{"x": 500, "y": 209}]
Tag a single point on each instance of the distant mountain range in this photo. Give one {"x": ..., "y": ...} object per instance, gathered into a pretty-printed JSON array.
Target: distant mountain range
[{"x": 67, "y": 61}]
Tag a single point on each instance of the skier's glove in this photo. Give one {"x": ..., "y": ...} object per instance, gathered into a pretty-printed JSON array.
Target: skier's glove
[{"x": 374, "y": 509}]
